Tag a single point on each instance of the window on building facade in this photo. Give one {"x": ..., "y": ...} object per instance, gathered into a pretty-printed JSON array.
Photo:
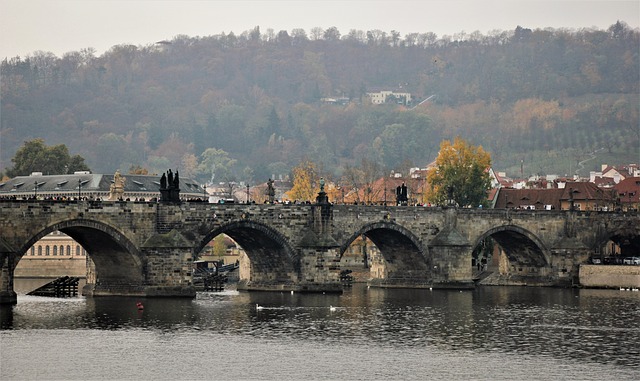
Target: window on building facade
[
  {"x": 77, "y": 249},
  {"x": 55, "y": 250},
  {"x": 61, "y": 250},
  {"x": 46, "y": 250},
  {"x": 69, "y": 250},
  {"x": 33, "y": 250},
  {"x": 39, "y": 250}
]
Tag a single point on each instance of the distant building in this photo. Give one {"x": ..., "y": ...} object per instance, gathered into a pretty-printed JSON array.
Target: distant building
[
  {"x": 582, "y": 195},
  {"x": 628, "y": 193},
  {"x": 620, "y": 172},
  {"x": 530, "y": 199},
  {"x": 386, "y": 96},
  {"x": 586, "y": 196},
  {"x": 92, "y": 186},
  {"x": 342, "y": 101},
  {"x": 53, "y": 256}
]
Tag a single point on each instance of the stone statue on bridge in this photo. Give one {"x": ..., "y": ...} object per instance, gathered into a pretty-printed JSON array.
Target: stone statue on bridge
[
  {"x": 271, "y": 192},
  {"x": 170, "y": 187},
  {"x": 401, "y": 194},
  {"x": 322, "y": 197},
  {"x": 116, "y": 190}
]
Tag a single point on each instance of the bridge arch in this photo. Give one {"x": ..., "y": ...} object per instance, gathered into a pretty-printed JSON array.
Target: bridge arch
[
  {"x": 117, "y": 260},
  {"x": 406, "y": 259},
  {"x": 625, "y": 239},
  {"x": 526, "y": 253},
  {"x": 271, "y": 257}
]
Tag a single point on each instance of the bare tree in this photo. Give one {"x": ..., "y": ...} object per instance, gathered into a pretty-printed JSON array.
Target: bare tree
[{"x": 317, "y": 33}]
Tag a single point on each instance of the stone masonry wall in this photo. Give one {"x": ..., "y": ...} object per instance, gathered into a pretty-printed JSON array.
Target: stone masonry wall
[{"x": 603, "y": 276}]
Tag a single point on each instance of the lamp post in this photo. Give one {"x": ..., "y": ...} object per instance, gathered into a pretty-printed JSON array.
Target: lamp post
[
  {"x": 35, "y": 190},
  {"x": 247, "y": 193},
  {"x": 79, "y": 188},
  {"x": 204, "y": 193}
]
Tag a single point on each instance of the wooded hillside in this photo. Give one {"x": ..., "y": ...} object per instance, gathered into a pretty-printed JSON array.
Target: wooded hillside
[{"x": 545, "y": 98}]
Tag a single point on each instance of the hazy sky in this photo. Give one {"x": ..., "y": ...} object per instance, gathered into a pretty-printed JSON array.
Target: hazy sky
[{"x": 61, "y": 26}]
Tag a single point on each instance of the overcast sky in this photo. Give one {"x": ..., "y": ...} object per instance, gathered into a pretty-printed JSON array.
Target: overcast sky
[{"x": 60, "y": 26}]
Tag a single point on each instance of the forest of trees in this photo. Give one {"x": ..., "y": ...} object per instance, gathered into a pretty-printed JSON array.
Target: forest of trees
[{"x": 252, "y": 102}]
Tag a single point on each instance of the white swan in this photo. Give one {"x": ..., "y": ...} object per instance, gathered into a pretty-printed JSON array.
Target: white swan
[
  {"x": 332, "y": 308},
  {"x": 259, "y": 307}
]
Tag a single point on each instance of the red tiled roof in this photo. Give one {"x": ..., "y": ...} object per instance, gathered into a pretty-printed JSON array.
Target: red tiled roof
[
  {"x": 629, "y": 190},
  {"x": 517, "y": 198},
  {"x": 492, "y": 193},
  {"x": 584, "y": 191},
  {"x": 605, "y": 182}
]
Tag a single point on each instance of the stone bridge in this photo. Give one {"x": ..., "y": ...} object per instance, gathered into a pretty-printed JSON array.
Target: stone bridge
[{"x": 148, "y": 248}]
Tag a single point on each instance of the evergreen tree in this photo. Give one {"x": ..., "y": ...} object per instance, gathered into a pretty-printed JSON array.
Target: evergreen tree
[{"x": 36, "y": 156}]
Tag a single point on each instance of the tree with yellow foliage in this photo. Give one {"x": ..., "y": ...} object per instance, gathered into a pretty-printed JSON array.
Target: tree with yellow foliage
[
  {"x": 219, "y": 246},
  {"x": 305, "y": 178},
  {"x": 460, "y": 175}
]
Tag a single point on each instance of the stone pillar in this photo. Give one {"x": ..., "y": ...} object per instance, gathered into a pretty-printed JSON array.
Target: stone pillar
[
  {"x": 320, "y": 269},
  {"x": 451, "y": 266},
  {"x": 320, "y": 256},
  {"x": 7, "y": 294},
  {"x": 169, "y": 271},
  {"x": 451, "y": 253},
  {"x": 566, "y": 256}
]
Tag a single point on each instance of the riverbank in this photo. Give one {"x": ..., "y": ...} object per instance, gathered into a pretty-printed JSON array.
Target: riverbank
[{"x": 609, "y": 276}]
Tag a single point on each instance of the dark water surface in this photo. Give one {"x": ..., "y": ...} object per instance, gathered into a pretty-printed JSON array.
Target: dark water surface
[{"x": 492, "y": 333}]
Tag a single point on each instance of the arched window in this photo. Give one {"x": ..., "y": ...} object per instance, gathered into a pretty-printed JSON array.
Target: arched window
[
  {"x": 39, "y": 249},
  {"x": 77, "y": 249},
  {"x": 69, "y": 250},
  {"x": 61, "y": 250},
  {"x": 55, "y": 250},
  {"x": 46, "y": 250}
]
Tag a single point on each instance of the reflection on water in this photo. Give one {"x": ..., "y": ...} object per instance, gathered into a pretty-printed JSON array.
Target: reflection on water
[{"x": 489, "y": 333}]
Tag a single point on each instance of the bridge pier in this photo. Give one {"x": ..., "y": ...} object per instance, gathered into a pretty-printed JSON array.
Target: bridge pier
[
  {"x": 319, "y": 252},
  {"x": 168, "y": 270},
  {"x": 452, "y": 267},
  {"x": 320, "y": 270},
  {"x": 451, "y": 257},
  {"x": 7, "y": 295},
  {"x": 565, "y": 264}
]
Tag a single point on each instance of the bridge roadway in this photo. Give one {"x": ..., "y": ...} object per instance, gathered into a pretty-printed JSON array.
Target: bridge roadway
[{"x": 147, "y": 248}]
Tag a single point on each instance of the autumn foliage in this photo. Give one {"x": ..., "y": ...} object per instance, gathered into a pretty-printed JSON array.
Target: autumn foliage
[
  {"x": 305, "y": 182},
  {"x": 460, "y": 175},
  {"x": 267, "y": 100}
]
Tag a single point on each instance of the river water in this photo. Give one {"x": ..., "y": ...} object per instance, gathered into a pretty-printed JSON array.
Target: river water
[{"x": 491, "y": 333}]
